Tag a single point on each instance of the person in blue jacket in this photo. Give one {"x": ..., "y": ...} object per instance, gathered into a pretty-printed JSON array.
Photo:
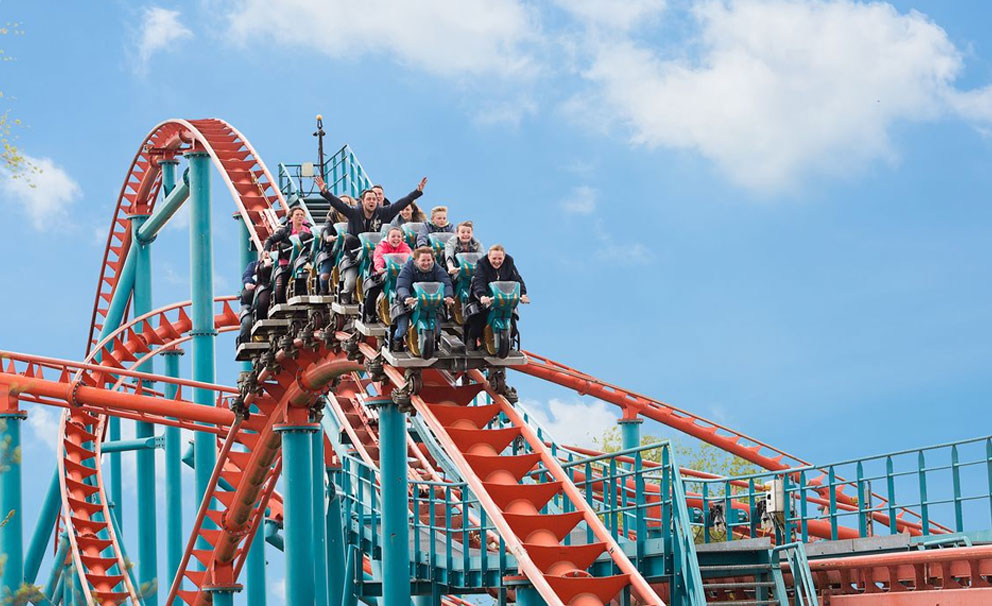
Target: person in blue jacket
[{"x": 420, "y": 268}]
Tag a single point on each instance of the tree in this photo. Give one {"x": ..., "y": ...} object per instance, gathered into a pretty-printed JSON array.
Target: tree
[
  {"x": 701, "y": 456},
  {"x": 12, "y": 161}
]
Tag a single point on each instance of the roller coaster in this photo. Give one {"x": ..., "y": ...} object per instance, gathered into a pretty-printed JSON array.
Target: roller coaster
[{"x": 391, "y": 481}]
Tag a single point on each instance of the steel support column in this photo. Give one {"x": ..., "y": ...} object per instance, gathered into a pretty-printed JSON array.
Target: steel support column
[
  {"x": 319, "y": 535},
  {"x": 58, "y": 563},
  {"x": 203, "y": 333},
  {"x": 395, "y": 510},
  {"x": 630, "y": 432},
  {"x": 173, "y": 476},
  {"x": 168, "y": 174},
  {"x": 113, "y": 320},
  {"x": 335, "y": 558},
  {"x": 256, "y": 588},
  {"x": 44, "y": 528},
  {"x": 528, "y": 596},
  {"x": 147, "y": 516},
  {"x": 11, "y": 508},
  {"x": 298, "y": 507}
]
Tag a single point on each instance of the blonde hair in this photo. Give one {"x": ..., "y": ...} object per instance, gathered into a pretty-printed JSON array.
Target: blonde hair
[
  {"x": 498, "y": 247},
  {"x": 439, "y": 209}
]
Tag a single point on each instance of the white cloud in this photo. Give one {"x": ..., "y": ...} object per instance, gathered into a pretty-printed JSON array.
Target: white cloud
[
  {"x": 615, "y": 253},
  {"x": 781, "y": 89},
  {"x": 45, "y": 196},
  {"x": 159, "y": 29},
  {"x": 582, "y": 201},
  {"x": 975, "y": 105},
  {"x": 44, "y": 424},
  {"x": 574, "y": 423},
  {"x": 442, "y": 37},
  {"x": 612, "y": 14},
  {"x": 507, "y": 113}
]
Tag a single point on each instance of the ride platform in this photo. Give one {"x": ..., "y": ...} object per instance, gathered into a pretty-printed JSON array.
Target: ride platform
[
  {"x": 310, "y": 300},
  {"x": 372, "y": 329},
  {"x": 246, "y": 351}
]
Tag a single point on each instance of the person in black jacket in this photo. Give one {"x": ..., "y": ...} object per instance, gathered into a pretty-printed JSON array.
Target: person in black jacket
[
  {"x": 367, "y": 216},
  {"x": 420, "y": 268},
  {"x": 496, "y": 266}
]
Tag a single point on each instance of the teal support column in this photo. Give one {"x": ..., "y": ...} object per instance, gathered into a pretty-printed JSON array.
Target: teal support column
[
  {"x": 11, "y": 507},
  {"x": 319, "y": 522},
  {"x": 223, "y": 598},
  {"x": 528, "y": 596},
  {"x": 145, "y": 482},
  {"x": 44, "y": 528},
  {"x": 164, "y": 211},
  {"x": 113, "y": 320},
  {"x": 168, "y": 174},
  {"x": 335, "y": 558},
  {"x": 203, "y": 333},
  {"x": 297, "y": 465},
  {"x": 630, "y": 432},
  {"x": 173, "y": 478},
  {"x": 395, "y": 510},
  {"x": 51, "y": 586},
  {"x": 256, "y": 588}
]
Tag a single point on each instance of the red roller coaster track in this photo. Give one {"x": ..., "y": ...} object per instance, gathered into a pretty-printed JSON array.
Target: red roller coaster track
[{"x": 105, "y": 384}]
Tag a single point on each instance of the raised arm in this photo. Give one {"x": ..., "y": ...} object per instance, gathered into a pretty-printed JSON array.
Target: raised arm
[
  {"x": 335, "y": 202},
  {"x": 387, "y": 213}
]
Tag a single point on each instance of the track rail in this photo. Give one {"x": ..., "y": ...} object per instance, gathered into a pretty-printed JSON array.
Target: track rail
[
  {"x": 250, "y": 459},
  {"x": 729, "y": 440}
]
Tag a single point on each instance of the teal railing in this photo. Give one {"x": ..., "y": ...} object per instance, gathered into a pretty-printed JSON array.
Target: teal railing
[
  {"x": 342, "y": 171},
  {"x": 452, "y": 542},
  {"x": 639, "y": 501},
  {"x": 898, "y": 492},
  {"x": 802, "y": 577}
]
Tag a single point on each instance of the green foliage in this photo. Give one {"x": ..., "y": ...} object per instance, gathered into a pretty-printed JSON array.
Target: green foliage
[
  {"x": 12, "y": 162},
  {"x": 701, "y": 456}
]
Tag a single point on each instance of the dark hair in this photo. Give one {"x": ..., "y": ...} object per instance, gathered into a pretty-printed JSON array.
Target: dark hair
[{"x": 467, "y": 224}]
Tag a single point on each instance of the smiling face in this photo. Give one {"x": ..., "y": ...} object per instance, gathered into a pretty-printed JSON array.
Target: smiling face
[
  {"x": 424, "y": 261},
  {"x": 394, "y": 237},
  {"x": 496, "y": 258},
  {"x": 464, "y": 233}
]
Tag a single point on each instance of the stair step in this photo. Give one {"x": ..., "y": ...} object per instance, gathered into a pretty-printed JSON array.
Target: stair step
[
  {"x": 740, "y": 585},
  {"x": 733, "y": 567}
]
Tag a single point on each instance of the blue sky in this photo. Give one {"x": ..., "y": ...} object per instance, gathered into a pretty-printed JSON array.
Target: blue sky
[{"x": 772, "y": 213}]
